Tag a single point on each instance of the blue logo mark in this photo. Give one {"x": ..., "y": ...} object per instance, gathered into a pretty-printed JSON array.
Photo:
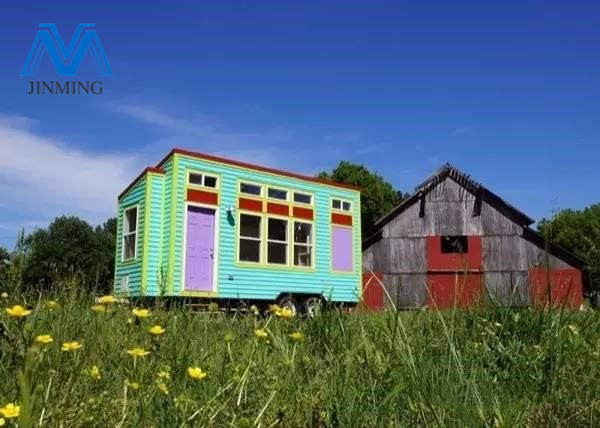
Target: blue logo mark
[{"x": 89, "y": 42}]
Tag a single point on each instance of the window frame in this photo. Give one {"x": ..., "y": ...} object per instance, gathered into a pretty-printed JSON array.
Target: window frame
[
  {"x": 309, "y": 204},
  {"x": 204, "y": 174},
  {"x": 260, "y": 238},
  {"x": 128, "y": 234},
  {"x": 279, "y": 189},
  {"x": 342, "y": 201},
  {"x": 310, "y": 245},
  {"x": 250, "y": 195},
  {"x": 275, "y": 241}
]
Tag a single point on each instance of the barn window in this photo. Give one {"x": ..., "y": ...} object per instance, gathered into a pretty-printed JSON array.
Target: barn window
[
  {"x": 130, "y": 220},
  {"x": 303, "y": 244},
  {"x": 277, "y": 241},
  {"x": 249, "y": 245},
  {"x": 455, "y": 244}
]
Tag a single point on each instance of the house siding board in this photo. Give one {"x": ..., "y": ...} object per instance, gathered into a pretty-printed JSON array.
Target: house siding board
[
  {"x": 235, "y": 281},
  {"x": 507, "y": 288},
  {"x": 132, "y": 269},
  {"x": 407, "y": 291},
  {"x": 166, "y": 218},
  {"x": 155, "y": 234}
]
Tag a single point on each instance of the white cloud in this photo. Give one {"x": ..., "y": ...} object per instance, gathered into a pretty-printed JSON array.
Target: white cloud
[{"x": 41, "y": 178}]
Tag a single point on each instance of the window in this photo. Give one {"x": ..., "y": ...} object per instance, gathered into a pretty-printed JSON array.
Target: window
[
  {"x": 303, "y": 244},
  {"x": 251, "y": 189},
  {"x": 249, "y": 249},
  {"x": 302, "y": 198},
  {"x": 129, "y": 233},
  {"x": 341, "y": 248},
  {"x": 455, "y": 245},
  {"x": 340, "y": 204},
  {"x": 205, "y": 180},
  {"x": 277, "y": 194},
  {"x": 277, "y": 241}
]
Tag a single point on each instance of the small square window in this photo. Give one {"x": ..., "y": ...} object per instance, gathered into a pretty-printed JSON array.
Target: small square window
[
  {"x": 336, "y": 204},
  {"x": 277, "y": 194},
  {"x": 210, "y": 181},
  {"x": 346, "y": 206},
  {"x": 251, "y": 189},
  {"x": 195, "y": 179},
  {"x": 454, "y": 245},
  {"x": 302, "y": 198}
]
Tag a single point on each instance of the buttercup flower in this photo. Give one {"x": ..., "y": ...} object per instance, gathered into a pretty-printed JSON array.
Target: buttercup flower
[
  {"x": 156, "y": 330},
  {"x": 574, "y": 329},
  {"x": 71, "y": 346},
  {"x": 10, "y": 411},
  {"x": 2, "y": 422},
  {"x": 254, "y": 310},
  {"x": 296, "y": 336},
  {"x": 4, "y": 295},
  {"x": 94, "y": 373},
  {"x": 141, "y": 313},
  {"x": 107, "y": 299},
  {"x": 138, "y": 352},
  {"x": 18, "y": 311},
  {"x": 44, "y": 339},
  {"x": 99, "y": 308},
  {"x": 163, "y": 387},
  {"x": 196, "y": 373},
  {"x": 163, "y": 375},
  {"x": 129, "y": 320},
  {"x": 133, "y": 385},
  {"x": 228, "y": 337},
  {"x": 274, "y": 308},
  {"x": 260, "y": 333},
  {"x": 285, "y": 313}
]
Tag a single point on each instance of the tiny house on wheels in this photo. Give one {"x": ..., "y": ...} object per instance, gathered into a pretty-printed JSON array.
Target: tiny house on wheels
[{"x": 203, "y": 226}]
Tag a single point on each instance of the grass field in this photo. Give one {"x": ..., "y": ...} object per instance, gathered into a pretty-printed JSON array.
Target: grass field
[{"x": 495, "y": 367}]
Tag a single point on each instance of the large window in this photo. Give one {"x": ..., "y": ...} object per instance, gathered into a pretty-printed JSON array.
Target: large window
[
  {"x": 277, "y": 241},
  {"x": 250, "y": 233},
  {"x": 341, "y": 248},
  {"x": 303, "y": 244},
  {"x": 129, "y": 233}
]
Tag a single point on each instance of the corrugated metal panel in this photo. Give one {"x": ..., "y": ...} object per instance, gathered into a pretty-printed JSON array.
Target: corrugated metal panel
[
  {"x": 236, "y": 281},
  {"x": 131, "y": 269}
]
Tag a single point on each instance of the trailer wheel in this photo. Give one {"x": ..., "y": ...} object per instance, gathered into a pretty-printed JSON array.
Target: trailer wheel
[
  {"x": 290, "y": 303},
  {"x": 313, "y": 306}
]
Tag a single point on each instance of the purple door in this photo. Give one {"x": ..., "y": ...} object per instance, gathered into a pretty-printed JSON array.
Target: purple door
[{"x": 199, "y": 251}]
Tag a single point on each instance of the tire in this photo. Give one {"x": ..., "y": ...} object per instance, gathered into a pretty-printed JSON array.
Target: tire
[
  {"x": 290, "y": 303},
  {"x": 312, "y": 306}
]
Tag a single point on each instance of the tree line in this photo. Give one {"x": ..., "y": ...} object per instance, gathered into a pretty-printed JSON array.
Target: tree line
[{"x": 70, "y": 247}]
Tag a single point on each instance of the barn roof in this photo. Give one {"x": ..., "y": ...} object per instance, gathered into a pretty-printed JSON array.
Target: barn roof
[{"x": 449, "y": 171}]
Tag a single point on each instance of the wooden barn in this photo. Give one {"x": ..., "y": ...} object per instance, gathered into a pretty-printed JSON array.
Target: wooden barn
[{"x": 454, "y": 242}]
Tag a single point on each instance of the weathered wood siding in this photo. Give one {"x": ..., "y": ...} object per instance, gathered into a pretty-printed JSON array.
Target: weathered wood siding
[{"x": 451, "y": 210}]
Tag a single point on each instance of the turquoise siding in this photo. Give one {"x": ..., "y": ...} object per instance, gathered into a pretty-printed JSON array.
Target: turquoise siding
[
  {"x": 131, "y": 269},
  {"x": 155, "y": 277},
  {"x": 164, "y": 260}
]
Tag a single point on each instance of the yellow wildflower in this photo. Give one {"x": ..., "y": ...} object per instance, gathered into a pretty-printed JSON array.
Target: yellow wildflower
[
  {"x": 133, "y": 385},
  {"x": 2, "y": 422},
  {"x": 44, "y": 339},
  {"x": 129, "y": 320},
  {"x": 156, "y": 330},
  {"x": 163, "y": 387},
  {"x": 94, "y": 373},
  {"x": 4, "y": 295},
  {"x": 196, "y": 373},
  {"x": 574, "y": 329},
  {"x": 10, "y": 411},
  {"x": 163, "y": 375},
  {"x": 138, "y": 352},
  {"x": 296, "y": 336},
  {"x": 71, "y": 346},
  {"x": 285, "y": 313},
  {"x": 274, "y": 308},
  {"x": 228, "y": 337},
  {"x": 99, "y": 308},
  {"x": 141, "y": 313},
  {"x": 52, "y": 304},
  {"x": 107, "y": 299},
  {"x": 261, "y": 333},
  {"x": 18, "y": 311},
  {"x": 254, "y": 310}
]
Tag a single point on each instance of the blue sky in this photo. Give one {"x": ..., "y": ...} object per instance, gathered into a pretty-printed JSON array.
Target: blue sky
[{"x": 509, "y": 92}]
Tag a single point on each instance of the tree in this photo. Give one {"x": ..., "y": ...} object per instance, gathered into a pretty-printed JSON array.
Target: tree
[
  {"x": 70, "y": 246},
  {"x": 378, "y": 196},
  {"x": 578, "y": 231}
]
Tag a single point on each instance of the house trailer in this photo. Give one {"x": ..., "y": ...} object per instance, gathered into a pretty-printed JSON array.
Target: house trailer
[
  {"x": 454, "y": 242},
  {"x": 198, "y": 225}
]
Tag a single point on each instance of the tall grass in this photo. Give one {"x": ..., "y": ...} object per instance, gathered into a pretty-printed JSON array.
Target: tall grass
[{"x": 492, "y": 367}]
